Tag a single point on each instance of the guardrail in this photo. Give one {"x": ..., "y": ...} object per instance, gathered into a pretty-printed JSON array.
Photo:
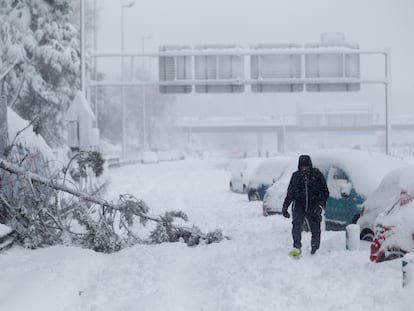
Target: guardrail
[{"x": 113, "y": 161}]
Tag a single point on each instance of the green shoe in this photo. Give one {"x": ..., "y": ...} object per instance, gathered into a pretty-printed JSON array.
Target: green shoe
[{"x": 295, "y": 253}]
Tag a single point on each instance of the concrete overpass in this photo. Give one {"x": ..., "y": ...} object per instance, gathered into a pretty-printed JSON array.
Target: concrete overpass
[{"x": 284, "y": 125}]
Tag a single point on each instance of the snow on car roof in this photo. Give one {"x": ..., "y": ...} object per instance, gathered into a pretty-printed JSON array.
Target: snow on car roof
[
  {"x": 400, "y": 179},
  {"x": 269, "y": 169},
  {"x": 246, "y": 164},
  {"x": 365, "y": 169}
]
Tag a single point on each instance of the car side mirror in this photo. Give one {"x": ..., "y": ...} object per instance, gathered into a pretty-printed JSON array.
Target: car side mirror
[
  {"x": 344, "y": 195},
  {"x": 346, "y": 190}
]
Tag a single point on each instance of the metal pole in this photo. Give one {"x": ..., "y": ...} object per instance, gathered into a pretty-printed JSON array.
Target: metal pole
[
  {"x": 144, "y": 101},
  {"x": 144, "y": 104},
  {"x": 123, "y": 87},
  {"x": 387, "y": 101},
  {"x": 82, "y": 28},
  {"x": 213, "y": 52},
  {"x": 124, "y": 145},
  {"x": 95, "y": 62}
]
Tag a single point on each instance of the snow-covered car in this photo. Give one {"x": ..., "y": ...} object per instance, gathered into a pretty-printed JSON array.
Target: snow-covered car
[
  {"x": 351, "y": 176},
  {"x": 170, "y": 155},
  {"x": 394, "y": 229},
  {"x": 149, "y": 157},
  {"x": 241, "y": 171},
  {"x": 265, "y": 174},
  {"x": 383, "y": 197}
]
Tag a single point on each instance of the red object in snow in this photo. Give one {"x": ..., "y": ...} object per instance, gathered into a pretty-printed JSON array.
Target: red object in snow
[{"x": 376, "y": 253}]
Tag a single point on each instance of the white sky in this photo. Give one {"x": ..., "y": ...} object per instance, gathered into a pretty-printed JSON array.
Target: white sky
[{"x": 374, "y": 24}]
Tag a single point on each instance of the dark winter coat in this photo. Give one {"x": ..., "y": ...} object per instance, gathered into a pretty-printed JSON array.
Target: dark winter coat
[{"x": 308, "y": 190}]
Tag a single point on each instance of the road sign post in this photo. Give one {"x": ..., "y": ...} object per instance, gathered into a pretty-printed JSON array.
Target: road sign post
[{"x": 329, "y": 66}]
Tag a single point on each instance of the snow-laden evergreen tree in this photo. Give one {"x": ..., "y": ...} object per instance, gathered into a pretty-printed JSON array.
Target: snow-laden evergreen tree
[{"x": 37, "y": 36}]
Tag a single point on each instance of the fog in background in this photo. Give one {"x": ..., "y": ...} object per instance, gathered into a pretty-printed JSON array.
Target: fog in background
[{"x": 373, "y": 24}]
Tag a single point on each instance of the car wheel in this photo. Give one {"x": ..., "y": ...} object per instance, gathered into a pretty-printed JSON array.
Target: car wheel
[
  {"x": 253, "y": 196},
  {"x": 393, "y": 253},
  {"x": 367, "y": 235}
]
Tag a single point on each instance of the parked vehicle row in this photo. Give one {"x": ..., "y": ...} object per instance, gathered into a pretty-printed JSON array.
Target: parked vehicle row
[
  {"x": 351, "y": 176},
  {"x": 374, "y": 190},
  {"x": 155, "y": 156}
]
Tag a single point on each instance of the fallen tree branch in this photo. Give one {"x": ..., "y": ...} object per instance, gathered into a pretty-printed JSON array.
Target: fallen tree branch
[
  {"x": 129, "y": 206},
  {"x": 14, "y": 169}
]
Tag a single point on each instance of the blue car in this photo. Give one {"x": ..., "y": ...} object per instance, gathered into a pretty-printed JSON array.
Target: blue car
[{"x": 265, "y": 174}]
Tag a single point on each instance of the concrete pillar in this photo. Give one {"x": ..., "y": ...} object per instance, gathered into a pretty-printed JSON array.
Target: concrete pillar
[
  {"x": 281, "y": 141},
  {"x": 260, "y": 144}
]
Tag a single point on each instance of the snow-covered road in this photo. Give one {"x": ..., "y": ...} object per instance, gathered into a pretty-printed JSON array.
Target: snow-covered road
[{"x": 251, "y": 271}]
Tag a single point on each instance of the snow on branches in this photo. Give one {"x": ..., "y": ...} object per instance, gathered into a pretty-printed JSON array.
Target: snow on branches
[
  {"x": 37, "y": 38},
  {"x": 44, "y": 211}
]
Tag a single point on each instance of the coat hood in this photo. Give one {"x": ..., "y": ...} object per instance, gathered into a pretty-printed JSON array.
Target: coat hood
[{"x": 305, "y": 159}]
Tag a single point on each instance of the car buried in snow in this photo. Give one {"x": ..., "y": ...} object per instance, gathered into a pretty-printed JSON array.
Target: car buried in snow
[
  {"x": 170, "y": 155},
  {"x": 351, "y": 175},
  {"x": 241, "y": 171},
  {"x": 388, "y": 192},
  {"x": 394, "y": 229},
  {"x": 149, "y": 157},
  {"x": 266, "y": 173}
]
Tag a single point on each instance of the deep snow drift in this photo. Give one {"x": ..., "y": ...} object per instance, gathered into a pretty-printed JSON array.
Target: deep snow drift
[{"x": 252, "y": 271}]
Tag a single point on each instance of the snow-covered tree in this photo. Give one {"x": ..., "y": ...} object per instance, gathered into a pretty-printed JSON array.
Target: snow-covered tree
[{"x": 37, "y": 35}]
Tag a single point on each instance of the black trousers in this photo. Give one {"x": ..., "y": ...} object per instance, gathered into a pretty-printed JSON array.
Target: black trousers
[{"x": 314, "y": 221}]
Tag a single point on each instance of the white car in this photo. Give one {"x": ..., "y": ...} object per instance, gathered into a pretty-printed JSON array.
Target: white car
[
  {"x": 241, "y": 171},
  {"x": 387, "y": 193},
  {"x": 149, "y": 157},
  {"x": 170, "y": 155},
  {"x": 351, "y": 176}
]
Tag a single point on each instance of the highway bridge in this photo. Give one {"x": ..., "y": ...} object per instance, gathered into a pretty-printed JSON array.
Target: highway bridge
[{"x": 336, "y": 123}]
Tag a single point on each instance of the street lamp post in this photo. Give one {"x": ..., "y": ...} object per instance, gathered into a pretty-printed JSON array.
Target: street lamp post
[
  {"x": 82, "y": 47},
  {"x": 95, "y": 62},
  {"x": 144, "y": 102},
  {"x": 129, "y": 5}
]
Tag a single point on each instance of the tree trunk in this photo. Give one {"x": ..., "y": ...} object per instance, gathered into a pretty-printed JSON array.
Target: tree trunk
[{"x": 4, "y": 134}]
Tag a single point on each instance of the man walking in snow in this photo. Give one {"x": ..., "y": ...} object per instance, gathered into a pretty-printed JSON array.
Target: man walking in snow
[{"x": 308, "y": 191}]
